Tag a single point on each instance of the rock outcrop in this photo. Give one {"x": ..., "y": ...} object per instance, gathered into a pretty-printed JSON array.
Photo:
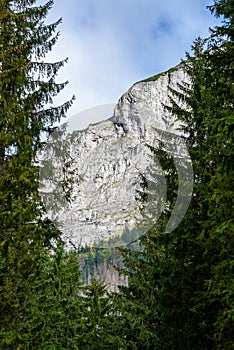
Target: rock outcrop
[{"x": 100, "y": 169}]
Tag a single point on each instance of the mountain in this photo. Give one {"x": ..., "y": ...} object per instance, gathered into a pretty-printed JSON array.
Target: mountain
[{"x": 91, "y": 179}]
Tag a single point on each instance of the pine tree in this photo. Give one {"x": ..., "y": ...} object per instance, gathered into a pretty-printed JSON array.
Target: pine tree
[
  {"x": 210, "y": 131},
  {"x": 219, "y": 229},
  {"x": 55, "y": 316},
  {"x": 27, "y": 86},
  {"x": 99, "y": 316}
]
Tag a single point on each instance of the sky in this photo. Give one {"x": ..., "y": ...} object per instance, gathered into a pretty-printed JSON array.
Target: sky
[{"x": 111, "y": 44}]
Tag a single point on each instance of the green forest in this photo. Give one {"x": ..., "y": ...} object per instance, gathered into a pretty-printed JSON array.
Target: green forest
[{"x": 180, "y": 291}]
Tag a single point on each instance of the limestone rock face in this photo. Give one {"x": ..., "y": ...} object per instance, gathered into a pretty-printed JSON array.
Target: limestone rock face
[{"x": 100, "y": 168}]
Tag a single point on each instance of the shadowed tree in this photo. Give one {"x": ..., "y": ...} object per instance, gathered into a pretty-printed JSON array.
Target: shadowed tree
[{"x": 27, "y": 88}]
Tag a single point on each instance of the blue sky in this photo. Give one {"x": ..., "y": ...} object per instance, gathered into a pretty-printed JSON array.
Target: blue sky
[{"x": 111, "y": 44}]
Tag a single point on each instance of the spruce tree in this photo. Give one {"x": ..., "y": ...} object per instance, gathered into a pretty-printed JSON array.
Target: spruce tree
[
  {"x": 55, "y": 317},
  {"x": 99, "y": 317},
  {"x": 219, "y": 228},
  {"x": 27, "y": 87}
]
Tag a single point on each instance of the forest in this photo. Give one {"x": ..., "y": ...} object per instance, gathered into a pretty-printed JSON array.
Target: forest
[{"x": 180, "y": 285}]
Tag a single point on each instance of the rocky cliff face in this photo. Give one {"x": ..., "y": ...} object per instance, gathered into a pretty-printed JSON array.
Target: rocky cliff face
[{"x": 100, "y": 168}]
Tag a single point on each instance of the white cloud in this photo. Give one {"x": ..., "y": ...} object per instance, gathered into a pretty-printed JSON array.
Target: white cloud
[{"x": 112, "y": 44}]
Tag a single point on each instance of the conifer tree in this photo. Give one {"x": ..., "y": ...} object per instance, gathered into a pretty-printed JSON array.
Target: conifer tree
[
  {"x": 100, "y": 317},
  {"x": 56, "y": 317},
  {"x": 27, "y": 87}
]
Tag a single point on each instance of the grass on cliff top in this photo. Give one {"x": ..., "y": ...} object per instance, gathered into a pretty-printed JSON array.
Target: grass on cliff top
[{"x": 155, "y": 77}]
